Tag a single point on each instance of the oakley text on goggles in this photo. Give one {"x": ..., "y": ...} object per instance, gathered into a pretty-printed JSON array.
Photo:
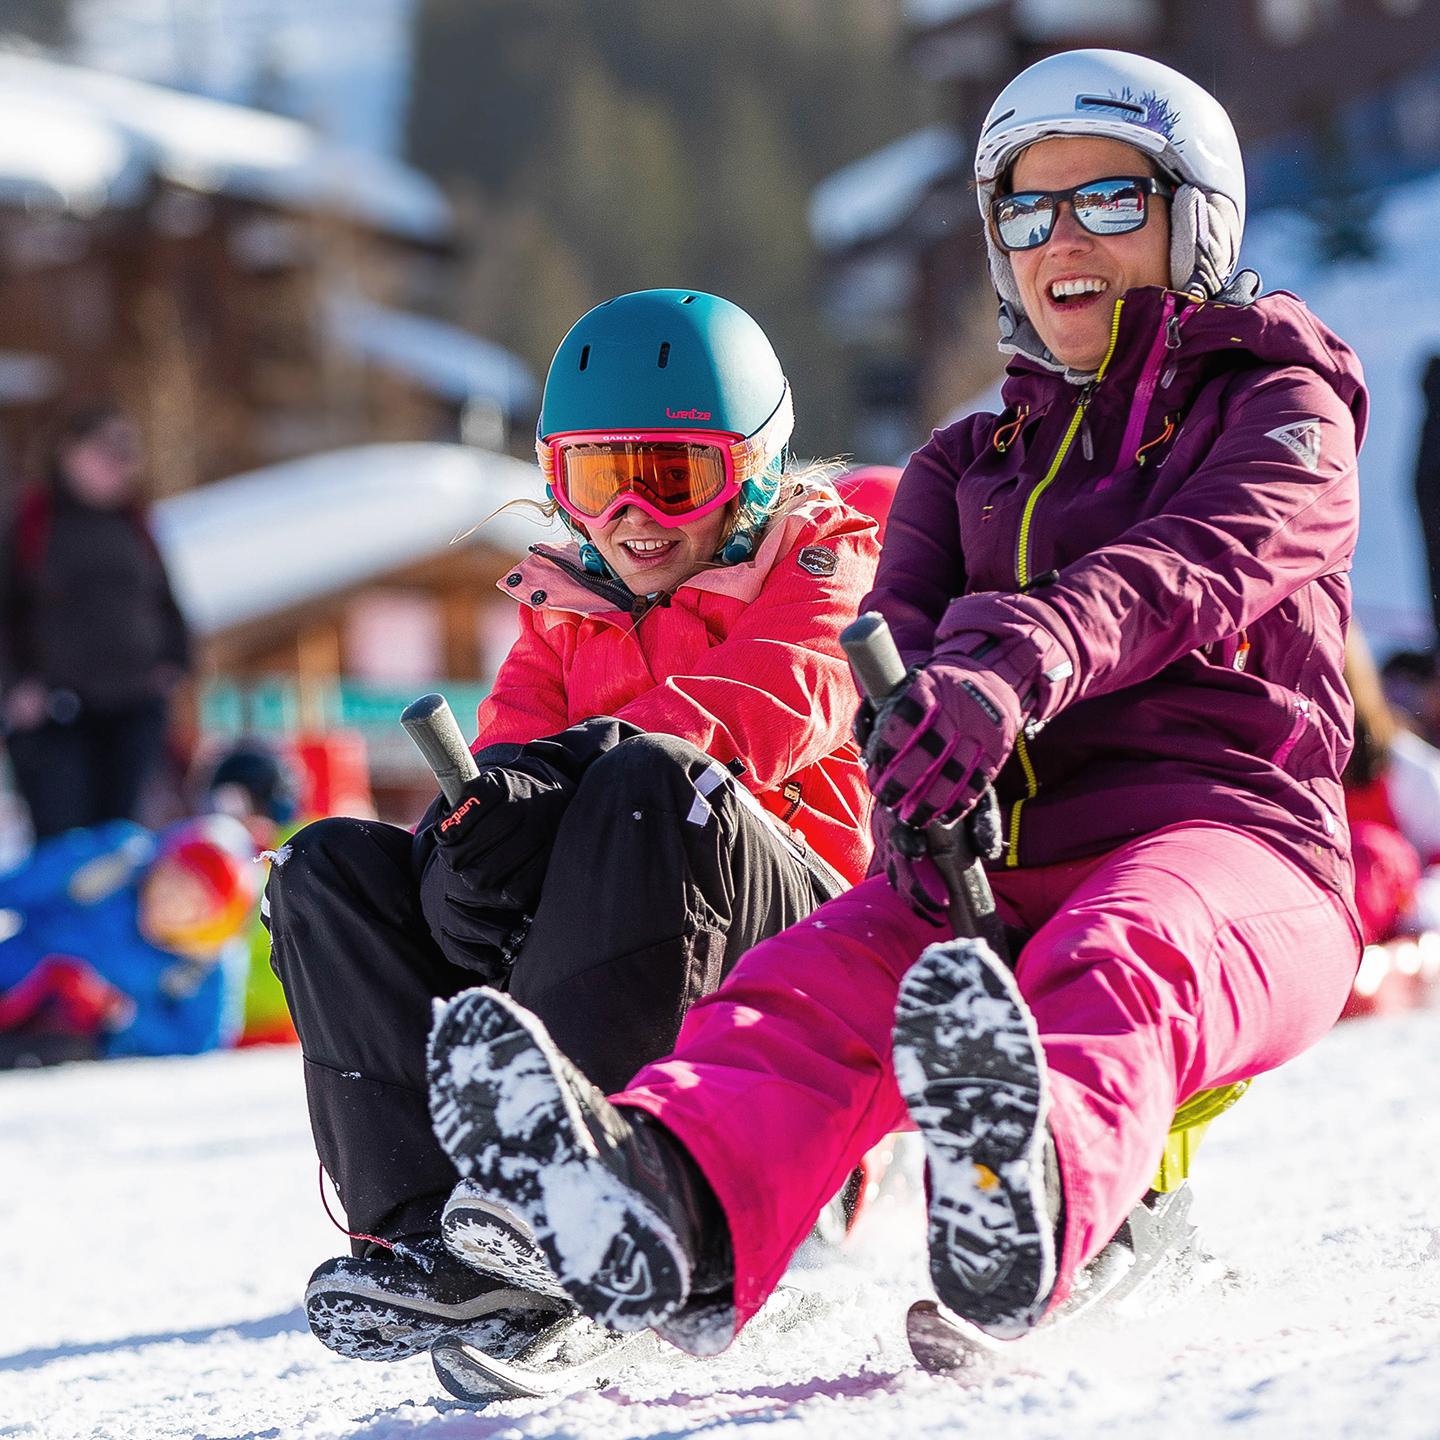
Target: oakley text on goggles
[{"x": 1114, "y": 206}]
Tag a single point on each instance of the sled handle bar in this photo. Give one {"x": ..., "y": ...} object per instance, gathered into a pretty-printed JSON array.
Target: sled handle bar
[
  {"x": 879, "y": 671},
  {"x": 431, "y": 724}
]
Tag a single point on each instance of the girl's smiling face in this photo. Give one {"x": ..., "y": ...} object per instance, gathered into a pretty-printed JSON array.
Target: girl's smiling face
[{"x": 650, "y": 557}]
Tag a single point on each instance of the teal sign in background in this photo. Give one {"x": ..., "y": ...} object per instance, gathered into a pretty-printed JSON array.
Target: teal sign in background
[{"x": 273, "y": 707}]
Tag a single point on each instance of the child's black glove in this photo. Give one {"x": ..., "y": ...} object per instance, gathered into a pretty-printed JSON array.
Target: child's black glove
[
  {"x": 496, "y": 841},
  {"x": 482, "y": 861}
]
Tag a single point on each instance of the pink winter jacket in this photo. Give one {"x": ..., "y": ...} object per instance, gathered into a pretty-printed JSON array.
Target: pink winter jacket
[
  {"x": 1164, "y": 555},
  {"x": 743, "y": 661}
]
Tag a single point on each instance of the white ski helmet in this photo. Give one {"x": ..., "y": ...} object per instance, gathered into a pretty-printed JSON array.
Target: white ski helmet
[{"x": 1148, "y": 105}]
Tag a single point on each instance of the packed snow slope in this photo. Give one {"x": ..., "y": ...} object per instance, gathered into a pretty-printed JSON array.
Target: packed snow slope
[{"x": 158, "y": 1220}]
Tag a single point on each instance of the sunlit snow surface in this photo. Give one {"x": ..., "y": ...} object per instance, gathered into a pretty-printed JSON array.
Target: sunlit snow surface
[{"x": 158, "y": 1220}]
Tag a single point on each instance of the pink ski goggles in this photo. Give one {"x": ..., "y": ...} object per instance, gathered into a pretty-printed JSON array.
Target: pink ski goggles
[{"x": 674, "y": 476}]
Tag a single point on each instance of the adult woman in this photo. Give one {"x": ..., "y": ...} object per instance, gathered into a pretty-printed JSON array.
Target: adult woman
[
  {"x": 91, "y": 640},
  {"x": 1149, "y": 548},
  {"x": 666, "y": 776}
]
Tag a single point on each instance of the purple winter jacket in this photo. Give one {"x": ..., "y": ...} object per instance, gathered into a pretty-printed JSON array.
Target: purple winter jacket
[{"x": 1163, "y": 557}]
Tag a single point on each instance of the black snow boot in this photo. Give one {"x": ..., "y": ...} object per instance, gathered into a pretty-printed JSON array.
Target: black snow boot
[
  {"x": 626, "y": 1222},
  {"x": 489, "y": 1237},
  {"x": 391, "y": 1304},
  {"x": 969, "y": 1064}
]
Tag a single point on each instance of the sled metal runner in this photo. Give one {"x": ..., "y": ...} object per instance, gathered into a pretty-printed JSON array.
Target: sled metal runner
[
  {"x": 1157, "y": 1233},
  {"x": 571, "y": 1355}
]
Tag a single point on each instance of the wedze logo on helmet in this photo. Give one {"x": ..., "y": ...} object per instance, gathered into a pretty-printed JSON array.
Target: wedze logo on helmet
[{"x": 687, "y": 414}]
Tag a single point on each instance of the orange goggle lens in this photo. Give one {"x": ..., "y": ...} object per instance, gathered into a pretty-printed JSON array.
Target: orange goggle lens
[{"x": 671, "y": 479}]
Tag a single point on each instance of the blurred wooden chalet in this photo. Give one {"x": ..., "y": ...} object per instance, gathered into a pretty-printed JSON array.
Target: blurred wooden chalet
[
  {"x": 253, "y": 291},
  {"x": 1329, "y": 97},
  {"x": 328, "y": 592},
  {"x": 257, "y": 296}
]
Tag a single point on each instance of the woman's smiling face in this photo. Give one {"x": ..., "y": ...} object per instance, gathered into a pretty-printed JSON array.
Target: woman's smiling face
[{"x": 1090, "y": 272}]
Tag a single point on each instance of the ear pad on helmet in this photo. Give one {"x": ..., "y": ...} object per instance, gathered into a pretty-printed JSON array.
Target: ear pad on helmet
[{"x": 1204, "y": 240}]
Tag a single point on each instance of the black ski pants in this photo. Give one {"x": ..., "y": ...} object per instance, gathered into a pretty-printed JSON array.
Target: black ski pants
[
  {"x": 662, "y": 875},
  {"x": 90, "y": 769}
]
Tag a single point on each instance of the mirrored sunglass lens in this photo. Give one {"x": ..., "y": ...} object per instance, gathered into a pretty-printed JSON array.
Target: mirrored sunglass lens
[
  {"x": 1114, "y": 207},
  {"x": 1024, "y": 220}
]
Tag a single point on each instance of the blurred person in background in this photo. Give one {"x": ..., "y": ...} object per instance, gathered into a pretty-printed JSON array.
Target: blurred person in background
[
  {"x": 91, "y": 640},
  {"x": 1427, "y": 480},
  {"x": 667, "y": 775},
  {"x": 1392, "y": 799},
  {"x": 1411, "y": 686},
  {"x": 260, "y": 785},
  {"x": 116, "y": 941}
]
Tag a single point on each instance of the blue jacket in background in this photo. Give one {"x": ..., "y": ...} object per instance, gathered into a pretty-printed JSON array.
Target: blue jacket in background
[{"x": 78, "y": 895}]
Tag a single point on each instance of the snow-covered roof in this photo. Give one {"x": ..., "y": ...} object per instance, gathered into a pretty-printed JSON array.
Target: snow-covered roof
[
  {"x": 1389, "y": 310},
  {"x": 209, "y": 145},
  {"x": 54, "y": 157},
  {"x": 259, "y": 543},
  {"x": 871, "y": 196},
  {"x": 26, "y": 378},
  {"x": 446, "y": 360},
  {"x": 1040, "y": 18}
]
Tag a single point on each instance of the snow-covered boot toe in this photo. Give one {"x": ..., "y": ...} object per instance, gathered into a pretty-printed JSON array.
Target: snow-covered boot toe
[
  {"x": 969, "y": 1064},
  {"x": 391, "y": 1304},
  {"x": 611, "y": 1205},
  {"x": 492, "y": 1238}
]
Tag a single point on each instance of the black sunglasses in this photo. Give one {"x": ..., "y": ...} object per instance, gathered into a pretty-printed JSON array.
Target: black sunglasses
[{"x": 1115, "y": 206}]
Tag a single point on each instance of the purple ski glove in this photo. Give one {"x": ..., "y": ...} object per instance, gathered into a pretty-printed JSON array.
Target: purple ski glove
[
  {"x": 904, "y": 855},
  {"x": 915, "y": 878},
  {"x": 940, "y": 740}
]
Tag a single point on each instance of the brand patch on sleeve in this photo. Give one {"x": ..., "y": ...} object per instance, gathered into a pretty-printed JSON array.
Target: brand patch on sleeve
[
  {"x": 1302, "y": 440},
  {"x": 818, "y": 560}
]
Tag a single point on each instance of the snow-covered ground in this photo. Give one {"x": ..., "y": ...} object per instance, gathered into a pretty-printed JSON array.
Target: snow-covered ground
[{"x": 158, "y": 1220}]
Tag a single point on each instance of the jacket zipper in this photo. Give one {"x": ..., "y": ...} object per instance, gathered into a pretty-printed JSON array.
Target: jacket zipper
[
  {"x": 1022, "y": 573},
  {"x": 1149, "y": 377}
]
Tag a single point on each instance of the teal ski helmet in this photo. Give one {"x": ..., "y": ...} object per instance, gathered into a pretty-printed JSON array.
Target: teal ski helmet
[{"x": 676, "y": 360}]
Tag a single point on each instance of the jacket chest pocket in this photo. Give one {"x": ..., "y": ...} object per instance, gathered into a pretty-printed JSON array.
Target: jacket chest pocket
[
  {"x": 1077, "y": 515},
  {"x": 989, "y": 505}
]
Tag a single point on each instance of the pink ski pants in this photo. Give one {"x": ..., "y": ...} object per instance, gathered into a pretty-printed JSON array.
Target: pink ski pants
[{"x": 1189, "y": 958}]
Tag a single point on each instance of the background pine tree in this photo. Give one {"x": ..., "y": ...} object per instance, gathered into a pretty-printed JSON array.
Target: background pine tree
[{"x": 600, "y": 146}]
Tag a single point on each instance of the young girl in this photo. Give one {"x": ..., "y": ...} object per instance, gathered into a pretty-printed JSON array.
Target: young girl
[
  {"x": 666, "y": 777},
  {"x": 1124, "y": 600}
]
